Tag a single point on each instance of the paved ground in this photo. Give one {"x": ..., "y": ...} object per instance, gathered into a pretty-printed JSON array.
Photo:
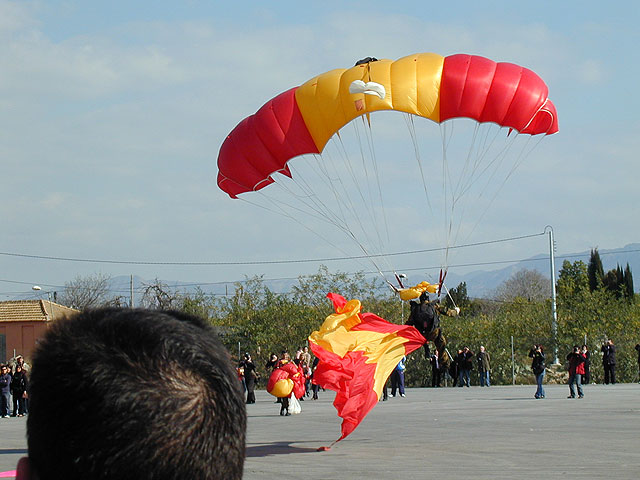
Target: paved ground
[{"x": 479, "y": 433}]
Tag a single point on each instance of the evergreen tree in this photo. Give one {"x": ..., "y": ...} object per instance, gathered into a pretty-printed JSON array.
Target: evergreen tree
[
  {"x": 628, "y": 284},
  {"x": 572, "y": 280},
  {"x": 611, "y": 281},
  {"x": 595, "y": 272}
]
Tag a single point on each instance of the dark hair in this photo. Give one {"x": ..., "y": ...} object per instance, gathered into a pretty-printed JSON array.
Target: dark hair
[{"x": 134, "y": 394}]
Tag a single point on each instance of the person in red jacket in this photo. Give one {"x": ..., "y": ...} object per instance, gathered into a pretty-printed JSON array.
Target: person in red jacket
[{"x": 576, "y": 371}]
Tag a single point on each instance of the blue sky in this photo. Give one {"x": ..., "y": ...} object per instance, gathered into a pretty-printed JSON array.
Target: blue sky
[{"x": 112, "y": 114}]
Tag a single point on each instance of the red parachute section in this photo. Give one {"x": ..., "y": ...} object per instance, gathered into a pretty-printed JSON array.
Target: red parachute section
[{"x": 503, "y": 93}]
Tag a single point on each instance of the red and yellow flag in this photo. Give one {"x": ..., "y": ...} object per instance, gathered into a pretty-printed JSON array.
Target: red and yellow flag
[{"x": 358, "y": 352}]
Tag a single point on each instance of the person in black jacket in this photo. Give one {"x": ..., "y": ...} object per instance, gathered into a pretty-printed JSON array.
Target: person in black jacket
[
  {"x": 465, "y": 364},
  {"x": 425, "y": 317},
  {"x": 250, "y": 377},
  {"x": 586, "y": 378},
  {"x": 609, "y": 361},
  {"x": 538, "y": 367},
  {"x": 19, "y": 390}
]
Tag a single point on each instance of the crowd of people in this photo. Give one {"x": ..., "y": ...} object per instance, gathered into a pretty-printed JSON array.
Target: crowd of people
[
  {"x": 458, "y": 372},
  {"x": 579, "y": 367},
  {"x": 79, "y": 355},
  {"x": 14, "y": 385}
]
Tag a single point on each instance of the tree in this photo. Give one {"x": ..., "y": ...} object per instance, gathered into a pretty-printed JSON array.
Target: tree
[
  {"x": 158, "y": 296},
  {"x": 628, "y": 284},
  {"x": 91, "y": 291},
  {"x": 460, "y": 298},
  {"x": 595, "y": 272},
  {"x": 572, "y": 280},
  {"x": 527, "y": 284}
]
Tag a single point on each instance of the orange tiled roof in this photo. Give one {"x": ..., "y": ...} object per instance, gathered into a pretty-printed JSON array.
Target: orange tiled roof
[{"x": 32, "y": 311}]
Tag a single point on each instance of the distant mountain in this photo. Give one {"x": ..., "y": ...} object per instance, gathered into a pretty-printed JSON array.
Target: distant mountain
[{"x": 480, "y": 283}]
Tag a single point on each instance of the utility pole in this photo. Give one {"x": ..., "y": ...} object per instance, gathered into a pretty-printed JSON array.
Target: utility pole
[
  {"x": 131, "y": 291},
  {"x": 554, "y": 310}
]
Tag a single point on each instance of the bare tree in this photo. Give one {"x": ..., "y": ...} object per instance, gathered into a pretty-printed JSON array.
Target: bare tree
[
  {"x": 158, "y": 296},
  {"x": 91, "y": 291},
  {"x": 528, "y": 284}
]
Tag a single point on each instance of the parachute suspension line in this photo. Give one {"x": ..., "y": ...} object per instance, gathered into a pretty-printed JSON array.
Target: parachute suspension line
[
  {"x": 473, "y": 178},
  {"x": 337, "y": 185},
  {"x": 424, "y": 177},
  {"x": 311, "y": 200},
  {"x": 519, "y": 160},
  {"x": 414, "y": 139},
  {"x": 445, "y": 171},
  {"x": 281, "y": 211},
  {"x": 370, "y": 204},
  {"x": 319, "y": 166},
  {"x": 374, "y": 162},
  {"x": 319, "y": 208},
  {"x": 449, "y": 295},
  {"x": 495, "y": 163},
  {"x": 456, "y": 195},
  {"x": 367, "y": 205},
  {"x": 343, "y": 200},
  {"x": 376, "y": 170},
  {"x": 478, "y": 150},
  {"x": 317, "y": 233}
]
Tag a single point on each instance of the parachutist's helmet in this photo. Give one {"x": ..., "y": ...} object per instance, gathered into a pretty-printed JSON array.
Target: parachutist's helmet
[{"x": 424, "y": 297}]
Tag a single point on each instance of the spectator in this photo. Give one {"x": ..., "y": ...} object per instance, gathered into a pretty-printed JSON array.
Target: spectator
[
  {"x": 133, "y": 394},
  {"x": 305, "y": 360},
  {"x": 250, "y": 377},
  {"x": 465, "y": 363},
  {"x": 436, "y": 371},
  {"x": 586, "y": 378},
  {"x": 609, "y": 362},
  {"x": 538, "y": 367},
  {"x": 271, "y": 363},
  {"x": 19, "y": 391},
  {"x": 454, "y": 368},
  {"x": 397, "y": 378},
  {"x": 484, "y": 367},
  {"x": 315, "y": 388},
  {"x": 5, "y": 391},
  {"x": 637, "y": 347},
  {"x": 576, "y": 370}
]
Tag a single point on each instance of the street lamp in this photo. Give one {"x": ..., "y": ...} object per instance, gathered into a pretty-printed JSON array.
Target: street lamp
[
  {"x": 554, "y": 309},
  {"x": 37, "y": 288}
]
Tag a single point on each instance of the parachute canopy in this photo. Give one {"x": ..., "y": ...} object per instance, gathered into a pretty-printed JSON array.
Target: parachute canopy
[{"x": 302, "y": 120}]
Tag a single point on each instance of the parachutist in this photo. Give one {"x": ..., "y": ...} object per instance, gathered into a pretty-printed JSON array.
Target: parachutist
[{"x": 424, "y": 317}]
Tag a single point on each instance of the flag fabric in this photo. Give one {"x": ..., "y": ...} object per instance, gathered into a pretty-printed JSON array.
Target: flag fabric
[{"x": 357, "y": 353}]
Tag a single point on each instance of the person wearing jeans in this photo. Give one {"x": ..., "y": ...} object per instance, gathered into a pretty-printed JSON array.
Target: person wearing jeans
[
  {"x": 484, "y": 366},
  {"x": 397, "y": 378},
  {"x": 5, "y": 391},
  {"x": 537, "y": 365},
  {"x": 576, "y": 370}
]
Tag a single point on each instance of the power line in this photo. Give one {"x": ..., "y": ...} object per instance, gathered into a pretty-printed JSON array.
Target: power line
[
  {"x": 411, "y": 269},
  {"x": 265, "y": 262}
]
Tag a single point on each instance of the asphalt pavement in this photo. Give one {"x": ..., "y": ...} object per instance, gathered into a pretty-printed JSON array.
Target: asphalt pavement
[{"x": 454, "y": 433}]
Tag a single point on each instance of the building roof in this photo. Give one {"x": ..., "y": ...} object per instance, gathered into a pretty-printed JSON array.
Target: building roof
[{"x": 33, "y": 311}]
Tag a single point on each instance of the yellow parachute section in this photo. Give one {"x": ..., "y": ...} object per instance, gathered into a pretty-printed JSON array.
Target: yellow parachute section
[
  {"x": 419, "y": 289},
  {"x": 411, "y": 85}
]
